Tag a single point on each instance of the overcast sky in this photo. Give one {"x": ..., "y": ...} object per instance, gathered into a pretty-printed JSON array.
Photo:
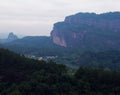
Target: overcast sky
[{"x": 36, "y": 17}]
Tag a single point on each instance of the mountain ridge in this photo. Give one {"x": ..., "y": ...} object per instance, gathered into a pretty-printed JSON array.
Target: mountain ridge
[{"x": 81, "y": 29}]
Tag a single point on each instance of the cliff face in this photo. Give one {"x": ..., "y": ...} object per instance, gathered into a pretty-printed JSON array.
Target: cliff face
[{"x": 88, "y": 30}]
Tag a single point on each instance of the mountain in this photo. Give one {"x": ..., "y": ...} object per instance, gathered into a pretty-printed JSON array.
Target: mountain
[
  {"x": 88, "y": 31},
  {"x": 33, "y": 41},
  {"x": 35, "y": 45},
  {"x": 11, "y": 37}
]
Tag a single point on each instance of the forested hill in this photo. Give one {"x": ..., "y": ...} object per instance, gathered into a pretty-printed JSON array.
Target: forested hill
[
  {"x": 33, "y": 45},
  {"x": 22, "y": 76}
]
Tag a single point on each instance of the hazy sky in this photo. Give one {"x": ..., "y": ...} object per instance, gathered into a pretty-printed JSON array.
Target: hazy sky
[{"x": 36, "y": 17}]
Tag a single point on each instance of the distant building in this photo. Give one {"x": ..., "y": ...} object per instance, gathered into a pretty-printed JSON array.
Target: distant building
[{"x": 46, "y": 58}]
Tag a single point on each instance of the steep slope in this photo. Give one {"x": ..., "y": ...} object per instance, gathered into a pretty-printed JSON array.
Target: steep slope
[
  {"x": 88, "y": 31},
  {"x": 17, "y": 74}
]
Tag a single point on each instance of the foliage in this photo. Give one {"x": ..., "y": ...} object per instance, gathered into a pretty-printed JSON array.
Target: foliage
[
  {"x": 22, "y": 76},
  {"x": 106, "y": 59}
]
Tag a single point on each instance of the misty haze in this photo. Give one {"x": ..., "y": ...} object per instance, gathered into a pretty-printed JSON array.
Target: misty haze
[{"x": 50, "y": 47}]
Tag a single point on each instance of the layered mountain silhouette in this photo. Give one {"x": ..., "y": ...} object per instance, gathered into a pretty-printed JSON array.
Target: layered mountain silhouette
[{"x": 82, "y": 31}]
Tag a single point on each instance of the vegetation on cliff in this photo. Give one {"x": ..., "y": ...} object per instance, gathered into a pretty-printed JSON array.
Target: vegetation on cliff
[{"x": 88, "y": 31}]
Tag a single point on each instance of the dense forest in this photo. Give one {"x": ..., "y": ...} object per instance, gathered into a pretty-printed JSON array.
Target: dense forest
[
  {"x": 22, "y": 76},
  {"x": 105, "y": 59}
]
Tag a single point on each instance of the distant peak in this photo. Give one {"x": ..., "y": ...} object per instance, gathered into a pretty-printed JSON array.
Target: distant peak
[
  {"x": 11, "y": 33},
  {"x": 12, "y": 36}
]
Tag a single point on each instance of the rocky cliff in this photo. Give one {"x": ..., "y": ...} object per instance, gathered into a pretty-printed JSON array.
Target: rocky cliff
[{"x": 88, "y": 30}]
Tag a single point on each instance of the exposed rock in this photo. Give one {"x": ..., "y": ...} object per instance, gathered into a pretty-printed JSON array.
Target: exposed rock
[
  {"x": 88, "y": 30},
  {"x": 58, "y": 40}
]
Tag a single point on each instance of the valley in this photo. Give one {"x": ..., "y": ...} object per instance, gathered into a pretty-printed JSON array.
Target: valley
[
  {"x": 72, "y": 38},
  {"x": 81, "y": 57}
]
